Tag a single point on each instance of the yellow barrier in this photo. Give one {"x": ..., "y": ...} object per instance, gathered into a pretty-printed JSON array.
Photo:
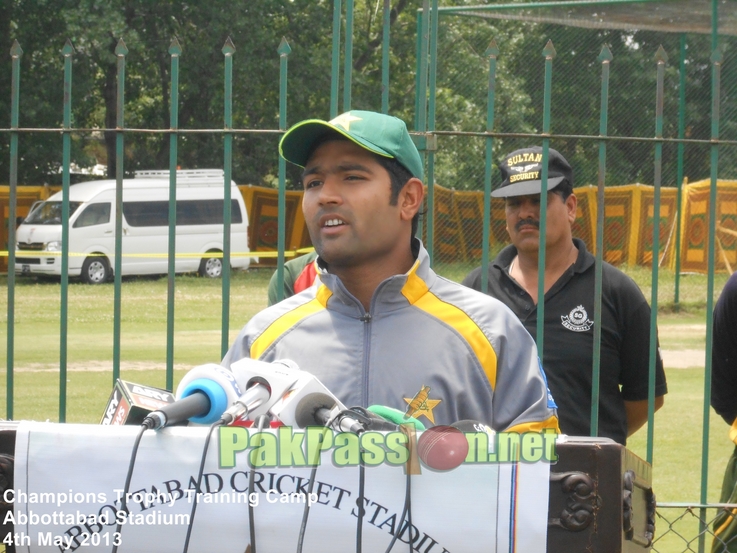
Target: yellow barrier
[
  {"x": 36, "y": 253},
  {"x": 628, "y": 224}
]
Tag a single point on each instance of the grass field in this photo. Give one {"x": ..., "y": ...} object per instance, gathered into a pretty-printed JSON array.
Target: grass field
[{"x": 197, "y": 338}]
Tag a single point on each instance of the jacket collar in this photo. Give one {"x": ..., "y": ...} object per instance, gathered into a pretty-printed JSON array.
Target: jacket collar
[{"x": 395, "y": 292}]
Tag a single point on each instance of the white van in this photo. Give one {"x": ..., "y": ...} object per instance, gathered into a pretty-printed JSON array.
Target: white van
[{"x": 200, "y": 195}]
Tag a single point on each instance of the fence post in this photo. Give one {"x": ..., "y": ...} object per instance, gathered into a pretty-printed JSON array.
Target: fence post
[
  {"x": 228, "y": 51},
  {"x": 284, "y": 50},
  {"x": 716, "y": 66},
  {"x": 385, "y": 56},
  {"x": 15, "y": 53},
  {"x": 348, "y": 56},
  {"x": 175, "y": 50},
  {"x": 605, "y": 57},
  {"x": 679, "y": 170},
  {"x": 67, "y": 51},
  {"x": 421, "y": 110},
  {"x": 662, "y": 58},
  {"x": 492, "y": 52},
  {"x": 430, "y": 127},
  {"x": 335, "y": 65},
  {"x": 549, "y": 54},
  {"x": 120, "y": 51}
]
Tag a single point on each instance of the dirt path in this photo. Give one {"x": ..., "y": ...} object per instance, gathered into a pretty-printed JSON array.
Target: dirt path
[
  {"x": 99, "y": 366},
  {"x": 673, "y": 359},
  {"x": 683, "y": 358}
]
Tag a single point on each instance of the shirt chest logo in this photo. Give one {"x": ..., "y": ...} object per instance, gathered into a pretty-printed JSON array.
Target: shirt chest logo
[
  {"x": 577, "y": 320},
  {"x": 421, "y": 404}
]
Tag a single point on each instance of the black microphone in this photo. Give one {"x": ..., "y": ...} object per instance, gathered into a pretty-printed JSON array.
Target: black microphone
[
  {"x": 181, "y": 410},
  {"x": 322, "y": 410}
]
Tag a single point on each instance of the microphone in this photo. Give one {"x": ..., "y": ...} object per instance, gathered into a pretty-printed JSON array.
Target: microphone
[
  {"x": 129, "y": 403},
  {"x": 322, "y": 410},
  {"x": 214, "y": 388},
  {"x": 285, "y": 407},
  {"x": 255, "y": 396},
  {"x": 177, "y": 412},
  {"x": 218, "y": 394},
  {"x": 265, "y": 384}
]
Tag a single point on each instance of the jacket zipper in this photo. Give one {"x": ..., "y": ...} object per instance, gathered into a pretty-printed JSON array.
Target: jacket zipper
[{"x": 366, "y": 319}]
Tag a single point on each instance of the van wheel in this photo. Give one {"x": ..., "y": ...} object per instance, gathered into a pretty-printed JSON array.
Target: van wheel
[
  {"x": 95, "y": 270},
  {"x": 211, "y": 267}
]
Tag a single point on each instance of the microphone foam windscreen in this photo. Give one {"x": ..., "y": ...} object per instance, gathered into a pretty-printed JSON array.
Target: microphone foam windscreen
[
  {"x": 305, "y": 414},
  {"x": 396, "y": 416}
]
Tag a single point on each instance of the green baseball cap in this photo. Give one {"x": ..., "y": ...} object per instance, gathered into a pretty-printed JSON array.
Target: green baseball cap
[{"x": 381, "y": 134}]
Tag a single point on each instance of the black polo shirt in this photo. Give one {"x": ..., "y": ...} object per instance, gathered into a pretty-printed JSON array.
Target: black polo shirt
[
  {"x": 724, "y": 353},
  {"x": 569, "y": 339}
]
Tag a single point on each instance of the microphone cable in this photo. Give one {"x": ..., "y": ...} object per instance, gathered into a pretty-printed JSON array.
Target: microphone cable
[
  {"x": 364, "y": 416},
  {"x": 213, "y": 426},
  {"x": 126, "y": 487},
  {"x": 359, "y": 499},
  {"x": 306, "y": 511},
  {"x": 406, "y": 513},
  {"x": 311, "y": 484},
  {"x": 260, "y": 422}
]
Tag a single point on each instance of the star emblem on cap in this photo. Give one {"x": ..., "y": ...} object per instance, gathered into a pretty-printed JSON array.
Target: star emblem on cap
[{"x": 344, "y": 120}]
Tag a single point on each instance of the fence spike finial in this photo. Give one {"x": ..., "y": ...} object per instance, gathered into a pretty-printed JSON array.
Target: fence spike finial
[
  {"x": 492, "y": 51},
  {"x": 121, "y": 49},
  {"x": 16, "y": 51},
  {"x": 68, "y": 49},
  {"x": 549, "y": 50},
  {"x": 284, "y": 48},
  {"x": 228, "y": 47},
  {"x": 174, "y": 47},
  {"x": 605, "y": 54},
  {"x": 660, "y": 55}
]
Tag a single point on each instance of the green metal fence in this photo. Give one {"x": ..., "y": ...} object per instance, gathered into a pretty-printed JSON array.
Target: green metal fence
[
  {"x": 622, "y": 151},
  {"x": 477, "y": 94}
]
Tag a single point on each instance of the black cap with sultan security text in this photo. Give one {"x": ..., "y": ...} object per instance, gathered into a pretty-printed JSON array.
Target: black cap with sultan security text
[{"x": 522, "y": 172}]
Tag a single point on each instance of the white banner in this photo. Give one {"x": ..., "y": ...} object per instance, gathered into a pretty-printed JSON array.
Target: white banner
[{"x": 69, "y": 480}]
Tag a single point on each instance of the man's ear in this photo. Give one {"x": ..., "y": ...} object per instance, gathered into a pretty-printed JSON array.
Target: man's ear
[
  {"x": 571, "y": 203},
  {"x": 410, "y": 198}
]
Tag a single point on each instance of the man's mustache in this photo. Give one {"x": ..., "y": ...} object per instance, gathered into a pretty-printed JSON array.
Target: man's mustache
[{"x": 527, "y": 222}]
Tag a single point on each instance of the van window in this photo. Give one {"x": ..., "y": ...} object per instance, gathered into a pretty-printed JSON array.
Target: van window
[
  {"x": 93, "y": 214},
  {"x": 189, "y": 212},
  {"x": 49, "y": 213}
]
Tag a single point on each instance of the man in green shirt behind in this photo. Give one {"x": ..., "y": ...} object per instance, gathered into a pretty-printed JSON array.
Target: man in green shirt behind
[{"x": 299, "y": 274}]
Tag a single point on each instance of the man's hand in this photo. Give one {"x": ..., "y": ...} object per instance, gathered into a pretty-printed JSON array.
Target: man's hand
[{"x": 637, "y": 413}]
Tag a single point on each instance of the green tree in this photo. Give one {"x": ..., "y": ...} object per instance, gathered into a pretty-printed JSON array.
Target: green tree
[{"x": 256, "y": 29}]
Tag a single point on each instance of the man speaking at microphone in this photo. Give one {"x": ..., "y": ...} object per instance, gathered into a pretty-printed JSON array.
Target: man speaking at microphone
[{"x": 380, "y": 327}]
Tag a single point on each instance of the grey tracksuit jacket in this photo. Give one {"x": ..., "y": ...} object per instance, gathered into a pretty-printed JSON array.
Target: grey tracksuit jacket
[{"x": 457, "y": 353}]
